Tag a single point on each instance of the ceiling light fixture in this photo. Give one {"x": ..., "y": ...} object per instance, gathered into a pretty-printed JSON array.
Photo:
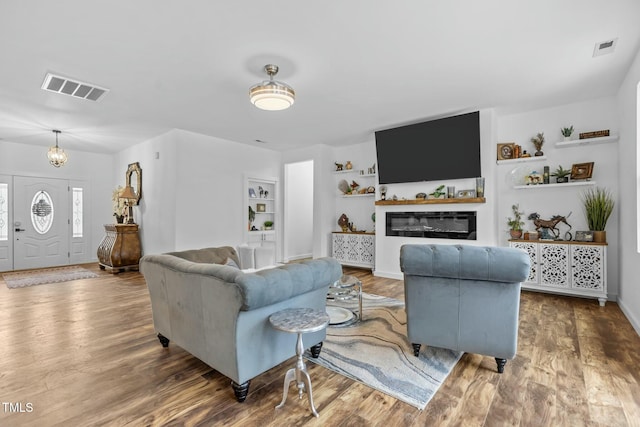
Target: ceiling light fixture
[
  {"x": 270, "y": 94},
  {"x": 57, "y": 156}
]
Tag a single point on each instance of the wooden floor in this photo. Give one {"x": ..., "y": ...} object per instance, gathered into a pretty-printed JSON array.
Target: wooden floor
[{"x": 85, "y": 353}]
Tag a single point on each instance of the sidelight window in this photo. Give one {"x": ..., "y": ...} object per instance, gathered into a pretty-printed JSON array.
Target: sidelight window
[
  {"x": 4, "y": 211},
  {"x": 76, "y": 208}
]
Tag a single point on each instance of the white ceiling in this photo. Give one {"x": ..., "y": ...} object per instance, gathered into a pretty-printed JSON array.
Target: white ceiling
[{"x": 357, "y": 66}]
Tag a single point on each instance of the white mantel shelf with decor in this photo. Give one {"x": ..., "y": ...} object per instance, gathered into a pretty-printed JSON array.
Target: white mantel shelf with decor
[
  {"x": 588, "y": 141},
  {"x": 431, "y": 201},
  {"x": 565, "y": 184},
  {"x": 521, "y": 160}
]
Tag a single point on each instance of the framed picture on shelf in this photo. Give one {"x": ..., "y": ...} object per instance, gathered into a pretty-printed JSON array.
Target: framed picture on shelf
[
  {"x": 505, "y": 150},
  {"x": 261, "y": 207},
  {"x": 252, "y": 193},
  {"x": 582, "y": 171}
]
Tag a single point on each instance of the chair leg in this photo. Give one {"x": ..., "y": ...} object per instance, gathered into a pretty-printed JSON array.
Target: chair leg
[
  {"x": 240, "y": 390},
  {"x": 163, "y": 340},
  {"x": 501, "y": 363},
  {"x": 416, "y": 349},
  {"x": 315, "y": 350}
]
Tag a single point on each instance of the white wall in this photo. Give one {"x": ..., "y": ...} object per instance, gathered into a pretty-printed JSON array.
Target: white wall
[
  {"x": 96, "y": 169},
  {"x": 298, "y": 210},
  {"x": 193, "y": 194},
  {"x": 629, "y": 178},
  {"x": 586, "y": 116}
]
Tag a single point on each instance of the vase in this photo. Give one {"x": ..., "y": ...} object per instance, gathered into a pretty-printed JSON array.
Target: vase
[
  {"x": 600, "y": 236},
  {"x": 562, "y": 179},
  {"x": 538, "y": 153},
  {"x": 119, "y": 219},
  {"x": 515, "y": 234},
  {"x": 567, "y": 138}
]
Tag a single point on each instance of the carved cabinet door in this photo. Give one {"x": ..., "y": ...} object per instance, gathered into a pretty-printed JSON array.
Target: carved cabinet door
[
  {"x": 587, "y": 267},
  {"x": 554, "y": 265}
]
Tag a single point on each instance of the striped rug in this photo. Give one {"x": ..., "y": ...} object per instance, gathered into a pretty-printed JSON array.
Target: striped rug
[
  {"x": 26, "y": 278},
  {"x": 377, "y": 353}
]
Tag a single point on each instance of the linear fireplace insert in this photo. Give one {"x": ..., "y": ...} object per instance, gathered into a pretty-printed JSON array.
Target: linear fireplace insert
[{"x": 436, "y": 225}]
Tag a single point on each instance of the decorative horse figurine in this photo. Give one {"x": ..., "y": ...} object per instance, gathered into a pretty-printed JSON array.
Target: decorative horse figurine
[{"x": 549, "y": 223}]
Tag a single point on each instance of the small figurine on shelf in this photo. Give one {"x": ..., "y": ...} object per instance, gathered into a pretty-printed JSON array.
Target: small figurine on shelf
[
  {"x": 343, "y": 222},
  {"x": 339, "y": 166},
  {"x": 383, "y": 192},
  {"x": 348, "y": 165}
]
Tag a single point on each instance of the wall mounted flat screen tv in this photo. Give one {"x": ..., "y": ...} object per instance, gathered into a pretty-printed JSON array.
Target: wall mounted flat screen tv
[{"x": 447, "y": 148}]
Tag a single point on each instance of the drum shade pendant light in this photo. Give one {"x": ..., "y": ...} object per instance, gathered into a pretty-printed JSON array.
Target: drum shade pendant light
[
  {"x": 57, "y": 156},
  {"x": 270, "y": 94}
]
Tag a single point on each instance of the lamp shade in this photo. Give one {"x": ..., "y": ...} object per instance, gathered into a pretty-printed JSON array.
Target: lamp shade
[{"x": 127, "y": 193}]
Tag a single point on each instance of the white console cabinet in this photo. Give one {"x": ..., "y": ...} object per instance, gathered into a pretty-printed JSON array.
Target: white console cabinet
[
  {"x": 355, "y": 249},
  {"x": 570, "y": 268}
]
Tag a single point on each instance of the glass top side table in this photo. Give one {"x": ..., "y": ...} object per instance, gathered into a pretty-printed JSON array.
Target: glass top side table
[{"x": 344, "y": 289}]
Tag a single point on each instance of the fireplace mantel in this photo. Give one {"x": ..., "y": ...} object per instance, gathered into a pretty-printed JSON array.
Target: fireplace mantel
[{"x": 430, "y": 201}]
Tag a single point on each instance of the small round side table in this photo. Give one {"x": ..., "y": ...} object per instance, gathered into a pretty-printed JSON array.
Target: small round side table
[{"x": 299, "y": 321}]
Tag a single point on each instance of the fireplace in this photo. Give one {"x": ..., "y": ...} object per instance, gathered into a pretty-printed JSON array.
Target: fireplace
[{"x": 435, "y": 225}]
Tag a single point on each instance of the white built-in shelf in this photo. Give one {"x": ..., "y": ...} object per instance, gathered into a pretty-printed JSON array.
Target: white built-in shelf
[
  {"x": 353, "y": 196},
  {"x": 521, "y": 160},
  {"x": 588, "y": 141},
  {"x": 565, "y": 184},
  {"x": 265, "y": 213},
  {"x": 354, "y": 171}
]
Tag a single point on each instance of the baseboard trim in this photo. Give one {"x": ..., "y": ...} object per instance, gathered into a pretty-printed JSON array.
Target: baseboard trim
[
  {"x": 629, "y": 315},
  {"x": 297, "y": 257},
  {"x": 388, "y": 275}
]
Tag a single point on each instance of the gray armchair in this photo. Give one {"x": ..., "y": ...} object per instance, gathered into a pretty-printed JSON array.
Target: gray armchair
[{"x": 464, "y": 298}]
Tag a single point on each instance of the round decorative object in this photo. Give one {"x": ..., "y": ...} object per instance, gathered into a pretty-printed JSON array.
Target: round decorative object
[
  {"x": 348, "y": 165},
  {"x": 339, "y": 315},
  {"x": 515, "y": 234},
  {"x": 421, "y": 196},
  {"x": 343, "y": 186}
]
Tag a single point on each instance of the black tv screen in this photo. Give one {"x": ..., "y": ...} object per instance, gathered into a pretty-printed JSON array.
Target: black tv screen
[{"x": 447, "y": 148}]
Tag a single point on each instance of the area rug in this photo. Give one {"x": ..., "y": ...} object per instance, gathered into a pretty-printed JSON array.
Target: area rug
[
  {"x": 377, "y": 353},
  {"x": 23, "y": 279}
]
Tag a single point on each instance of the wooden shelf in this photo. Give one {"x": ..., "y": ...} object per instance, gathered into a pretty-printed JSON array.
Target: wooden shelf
[
  {"x": 565, "y": 184},
  {"x": 521, "y": 160},
  {"x": 588, "y": 141},
  {"x": 430, "y": 201}
]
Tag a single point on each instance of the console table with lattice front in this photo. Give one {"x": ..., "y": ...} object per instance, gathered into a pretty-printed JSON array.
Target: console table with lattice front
[
  {"x": 355, "y": 249},
  {"x": 566, "y": 267},
  {"x": 120, "y": 249}
]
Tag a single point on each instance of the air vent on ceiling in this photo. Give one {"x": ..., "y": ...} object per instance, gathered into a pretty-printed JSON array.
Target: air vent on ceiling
[
  {"x": 74, "y": 88},
  {"x": 605, "y": 47}
]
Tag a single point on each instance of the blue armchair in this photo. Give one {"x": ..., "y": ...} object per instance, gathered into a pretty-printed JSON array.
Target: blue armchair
[{"x": 464, "y": 298}]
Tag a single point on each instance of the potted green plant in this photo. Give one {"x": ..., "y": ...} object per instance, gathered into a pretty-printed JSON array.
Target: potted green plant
[
  {"x": 598, "y": 205},
  {"x": 567, "y": 132},
  {"x": 268, "y": 225},
  {"x": 515, "y": 223},
  {"x": 561, "y": 174},
  {"x": 538, "y": 141}
]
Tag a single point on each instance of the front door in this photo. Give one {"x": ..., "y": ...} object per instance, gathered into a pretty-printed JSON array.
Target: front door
[{"x": 40, "y": 222}]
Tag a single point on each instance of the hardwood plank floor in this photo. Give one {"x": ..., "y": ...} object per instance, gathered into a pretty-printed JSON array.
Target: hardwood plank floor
[{"x": 84, "y": 353}]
